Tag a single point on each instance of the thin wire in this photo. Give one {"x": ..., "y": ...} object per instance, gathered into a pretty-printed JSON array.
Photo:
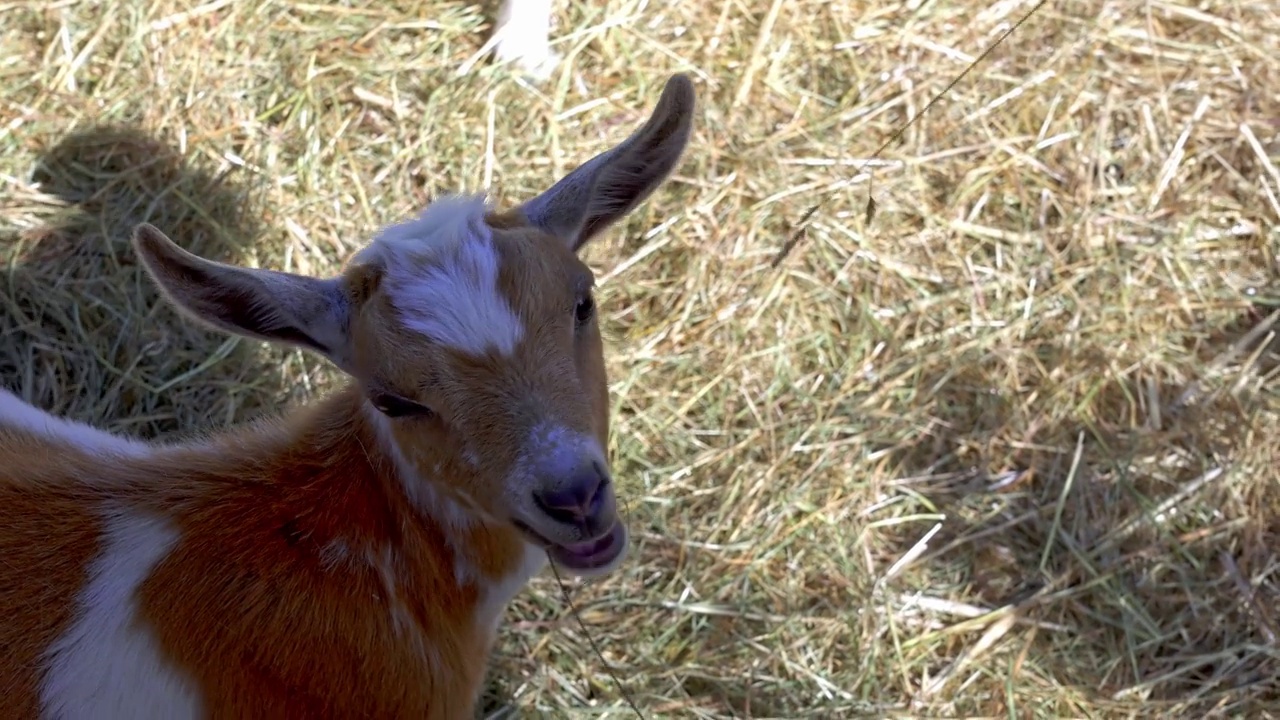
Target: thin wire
[
  {"x": 592, "y": 641},
  {"x": 802, "y": 223}
]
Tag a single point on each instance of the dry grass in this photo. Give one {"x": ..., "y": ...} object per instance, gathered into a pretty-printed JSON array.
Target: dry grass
[{"x": 1006, "y": 450}]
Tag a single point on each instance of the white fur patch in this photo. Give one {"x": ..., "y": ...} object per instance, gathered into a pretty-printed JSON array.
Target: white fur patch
[
  {"x": 523, "y": 31},
  {"x": 402, "y": 620},
  {"x": 17, "y": 413},
  {"x": 108, "y": 666},
  {"x": 422, "y": 492},
  {"x": 496, "y": 596},
  {"x": 334, "y": 554},
  {"x": 442, "y": 277}
]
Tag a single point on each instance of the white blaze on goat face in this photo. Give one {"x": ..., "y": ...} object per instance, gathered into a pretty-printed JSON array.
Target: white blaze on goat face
[
  {"x": 352, "y": 557},
  {"x": 442, "y": 277}
]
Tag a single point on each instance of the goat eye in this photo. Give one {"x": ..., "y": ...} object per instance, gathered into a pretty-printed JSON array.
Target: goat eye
[
  {"x": 585, "y": 309},
  {"x": 396, "y": 406}
]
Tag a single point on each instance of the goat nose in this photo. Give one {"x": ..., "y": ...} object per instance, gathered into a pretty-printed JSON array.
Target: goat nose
[{"x": 575, "y": 500}]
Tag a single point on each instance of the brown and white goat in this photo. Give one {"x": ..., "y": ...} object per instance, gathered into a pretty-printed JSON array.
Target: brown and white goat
[{"x": 351, "y": 558}]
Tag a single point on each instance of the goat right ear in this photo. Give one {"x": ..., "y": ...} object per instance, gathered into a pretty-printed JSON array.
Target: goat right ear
[
  {"x": 262, "y": 304},
  {"x": 605, "y": 188}
]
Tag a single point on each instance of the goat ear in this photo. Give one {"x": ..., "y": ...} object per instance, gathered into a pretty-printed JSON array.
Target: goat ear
[
  {"x": 262, "y": 304},
  {"x": 600, "y": 191}
]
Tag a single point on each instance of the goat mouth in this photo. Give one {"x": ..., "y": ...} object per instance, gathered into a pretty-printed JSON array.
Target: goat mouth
[{"x": 583, "y": 556}]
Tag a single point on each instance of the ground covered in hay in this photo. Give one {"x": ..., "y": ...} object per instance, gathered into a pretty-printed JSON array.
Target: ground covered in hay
[{"x": 1005, "y": 447}]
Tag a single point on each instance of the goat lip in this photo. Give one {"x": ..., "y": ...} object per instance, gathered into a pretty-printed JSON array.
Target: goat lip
[
  {"x": 593, "y": 554},
  {"x": 581, "y": 556}
]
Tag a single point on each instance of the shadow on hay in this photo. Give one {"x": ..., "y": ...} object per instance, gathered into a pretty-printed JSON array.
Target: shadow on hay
[
  {"x": 1162, "y": 594},
  {"x": 84, "y": 331}
]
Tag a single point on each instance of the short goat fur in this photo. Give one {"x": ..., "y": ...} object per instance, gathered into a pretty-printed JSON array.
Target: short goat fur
[{"x": 350, "y": 558}]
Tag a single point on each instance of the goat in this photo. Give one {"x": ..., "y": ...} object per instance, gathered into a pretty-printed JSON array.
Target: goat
[
  {"x": 522, "y": 37},
  {"x": 352, "y": 557}
]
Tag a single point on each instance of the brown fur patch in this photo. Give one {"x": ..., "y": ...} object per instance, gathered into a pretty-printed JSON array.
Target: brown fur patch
[
  {"x": 48, "y": 536},
  {"x": 247, "y": 602},
  {"x": 577, "y": 395}
]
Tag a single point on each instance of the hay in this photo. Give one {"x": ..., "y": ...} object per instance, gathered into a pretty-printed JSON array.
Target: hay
[{"x": 1007, "y": 450}]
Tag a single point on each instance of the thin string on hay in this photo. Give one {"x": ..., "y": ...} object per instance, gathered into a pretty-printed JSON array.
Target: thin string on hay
[
  {"x": 870, "y": 212},
  {"x": 786, "y": 249},
  {"x": 592, "y": 641}
]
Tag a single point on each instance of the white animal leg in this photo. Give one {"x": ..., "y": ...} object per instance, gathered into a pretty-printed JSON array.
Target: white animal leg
[{"x": 523, "y": 37}]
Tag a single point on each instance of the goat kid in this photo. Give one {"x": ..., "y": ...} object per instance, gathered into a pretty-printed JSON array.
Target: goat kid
[{"x": 351, "y": 558}]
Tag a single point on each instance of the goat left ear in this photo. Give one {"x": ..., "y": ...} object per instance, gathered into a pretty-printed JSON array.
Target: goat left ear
[
  {"x": 610, "y": 185},
  {"x": 263, "y": 304}
]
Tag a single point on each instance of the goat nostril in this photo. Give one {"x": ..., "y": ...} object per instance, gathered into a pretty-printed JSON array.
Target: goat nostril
[
  {"x": 561, "y": 505},
  {"x": 573, "y": 504},
  {"x": 596, "y": 499}
]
